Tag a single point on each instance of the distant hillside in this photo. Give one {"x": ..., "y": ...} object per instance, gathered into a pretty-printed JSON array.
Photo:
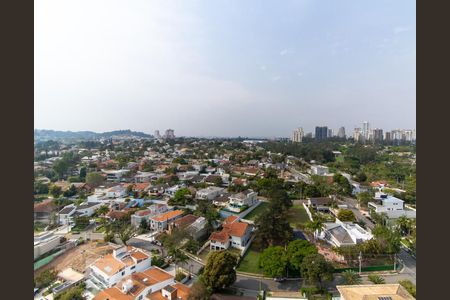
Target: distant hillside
[{"x": 45, "y": 135}]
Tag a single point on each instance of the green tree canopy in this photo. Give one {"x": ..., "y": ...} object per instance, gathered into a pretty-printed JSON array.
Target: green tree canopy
[
  {"x": 94, "y": 179},
  {"x": 219, "y": 271},
  {"x": 315, "y": 269},
  {"x": 273, "y": 261},
  {"x": 346, "y": 215}
]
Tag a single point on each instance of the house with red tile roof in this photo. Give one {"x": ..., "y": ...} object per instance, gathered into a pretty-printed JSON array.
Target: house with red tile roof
[
  {"x": 112, "y": 268},
  {"x": 139, "y": 285},
  {"x": 160, "y": 222},
  {"x": 234, "y": 234}
]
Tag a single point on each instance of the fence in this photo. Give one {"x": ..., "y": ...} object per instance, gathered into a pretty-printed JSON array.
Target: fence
[
  {"x": 370, "y": 269},
  {"x": 48, "y": 259},
  {"x": 307, "y": 211}
]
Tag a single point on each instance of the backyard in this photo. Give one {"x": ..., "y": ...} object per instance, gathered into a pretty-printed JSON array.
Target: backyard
[
  {"x": 297, "y": 216},
  {"x": 257, "y": 211}
]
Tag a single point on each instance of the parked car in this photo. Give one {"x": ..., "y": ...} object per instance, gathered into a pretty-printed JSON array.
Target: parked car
[{"x": 279, "y": 279}]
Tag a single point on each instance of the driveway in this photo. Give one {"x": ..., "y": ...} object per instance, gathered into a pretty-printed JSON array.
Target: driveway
[{"x": 352, "y": 205}]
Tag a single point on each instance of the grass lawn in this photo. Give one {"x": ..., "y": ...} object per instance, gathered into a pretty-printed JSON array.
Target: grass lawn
[
  {"x": 257, "y": 211},
  {"x": 250, "y": 262},
  {"x": 297, "y": 216}
]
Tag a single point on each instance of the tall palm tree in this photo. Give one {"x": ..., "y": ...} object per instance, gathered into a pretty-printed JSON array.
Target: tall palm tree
[
  {"x": 316, "y": 227},
  {"x": 404, "y": 224}
]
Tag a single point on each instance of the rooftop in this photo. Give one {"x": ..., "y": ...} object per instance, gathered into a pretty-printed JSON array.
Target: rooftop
[{"x": 374, "y": 292}]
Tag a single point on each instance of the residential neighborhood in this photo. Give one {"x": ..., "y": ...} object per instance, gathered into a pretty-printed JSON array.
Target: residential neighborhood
[{"x": 150, "y": 224}]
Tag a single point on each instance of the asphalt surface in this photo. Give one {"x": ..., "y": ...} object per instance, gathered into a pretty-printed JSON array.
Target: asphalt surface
[{"x": 352, "y": 205}]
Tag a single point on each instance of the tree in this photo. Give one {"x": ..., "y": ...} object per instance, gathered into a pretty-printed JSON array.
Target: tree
[
  {"x": 315, "y": 227},
  {"x": 81, "y": 222},
  {"x": 144, "y": 224},
  {"x": 364, "y": 198},
  {"x": 273, "y": 261},
  {"x": 60, "y": 167},
  {"x": 351, "y": 277},
  {"x": 346, "y": 215},
  {"x": 75, "y": 293},
  {"x": 83, "y": 173},
  {"x": 361, "y": 176},
  {"x": 55, "y": 191},
  {"x": 219, "y": 271},
  {"x": 389, "y": 238},
  {"x": 102, "y": 210},
  {"x": 129, "y": 189},
  {"x": 198, "y": 291},
  {"x": 404, "y": 225},
  {"x": 376, "y": 279},
  {"x": 273, "y": 228},
  {"x": 94, "y": 179},
  {"x": 409, "y": 286},
  {"x": 181, "y": 196},
  {"x": 40, "y": 188},
  {"x": 126, "y": 233},
  {"x": 316, "y": 269},
  {"x": 45, "y": 278},
  {"x": 342, "y": 185},
  {"x": 72, "y": 191},
  {"x": 296, "y": 251}
]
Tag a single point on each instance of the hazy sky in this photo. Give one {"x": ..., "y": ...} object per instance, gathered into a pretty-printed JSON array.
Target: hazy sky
[{"x": 224, "y": 68}]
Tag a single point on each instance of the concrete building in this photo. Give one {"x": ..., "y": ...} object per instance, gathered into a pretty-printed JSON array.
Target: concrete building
[
  {"x": 170, "y": 134},
  {"x": 377, "y": 135},
  {"x": 358, "y": 135},
  {"x": 112, "y": 268},
  {"x": 366, "y": 130},
  {"x": 244, "y": 198},
  {"x": 45, "y": 242},
  {"x": 321, "y": 132},
  {"x": 344, "y": 234},
  {"x": 152, "y": 210},
  {"x": 373, "y": 291},
  {"x": 319, "y": 170},
  {"x": 341, "y": 132},
  {"x": 209, "y": 193},
  {"x": 139, "y": 286},
  {"x": 297, "y": 135},
  {"x": 391, "y": 206},
  {"x": 234, "y": 234},
  {"x": 161, "y": 222}
]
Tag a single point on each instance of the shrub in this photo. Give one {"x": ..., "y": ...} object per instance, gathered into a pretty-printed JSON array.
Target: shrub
[
  {"x": 180, "y": 276},
  {"x": 409, "y": 286}
]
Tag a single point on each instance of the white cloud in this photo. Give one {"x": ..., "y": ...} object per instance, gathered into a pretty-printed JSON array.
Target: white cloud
[
  {"x": 284, "y": 52},
  {"x": 401, "y": 29}
]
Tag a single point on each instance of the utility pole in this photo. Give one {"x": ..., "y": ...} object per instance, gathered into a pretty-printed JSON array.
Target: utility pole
[{"x": 360, "y": 259}]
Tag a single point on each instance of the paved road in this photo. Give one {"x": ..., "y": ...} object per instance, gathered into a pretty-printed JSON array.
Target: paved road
[
  {"x": 352, "y": 204},
  {"x": 409, "y": 263}
]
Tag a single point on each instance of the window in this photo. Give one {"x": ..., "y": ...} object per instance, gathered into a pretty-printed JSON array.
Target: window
[
  {"x": 133, "y": 267},
  {"x": 123, "y": 273}
]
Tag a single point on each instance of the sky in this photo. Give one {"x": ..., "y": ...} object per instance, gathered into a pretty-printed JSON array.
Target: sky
[{"x": 224, "y": 68}]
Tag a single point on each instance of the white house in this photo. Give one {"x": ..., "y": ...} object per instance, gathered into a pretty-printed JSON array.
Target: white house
[
  {"x": 142, "y": 177},
  {"x": 391, "y": 206},
  {"x": 112, "y": 268},
  {"x": 344, "y": 233},
  {"x": 116, "y": 191},
  {"x": 209, "y": 193},
  {"x": 138, "y": 286},
  {"x": 45, "y": 242},
  {"x": 234, "y": 234},
  {"x": 237, "y": 201},
  {"x": 319, "y": 170},
  {"x": 65, "y": 214},
  {"x": 88, "y": 208},
  {"x": 114, "y": 175}
]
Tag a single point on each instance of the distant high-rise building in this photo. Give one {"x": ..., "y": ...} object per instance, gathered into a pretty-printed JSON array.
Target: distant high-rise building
[
  {"x": 330, "y": 133},
  {"x": 321, "y": 132},
  {"x": 377, "y": 135},
  {"x": 170, "y": 134},
  {"x": 157, "y": 135},
  {"x": 357, "y": 135},
  {"x": 341, "y": 132},
  {"x": 297, "y": 135},
  {"x": 309, "y": 135},
  {"x": 387, "y": 136},
  {"x": 366, "y": 130}
]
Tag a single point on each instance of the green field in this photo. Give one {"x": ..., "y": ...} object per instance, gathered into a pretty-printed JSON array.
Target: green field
[
  {"x": 297, "y": 216},
  {"x": 256, "y": 212},
  {"x": 250, "y": 262}
]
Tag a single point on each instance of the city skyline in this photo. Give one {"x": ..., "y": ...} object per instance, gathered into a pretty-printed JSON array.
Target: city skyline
[{"x": 224, "y": 68}]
